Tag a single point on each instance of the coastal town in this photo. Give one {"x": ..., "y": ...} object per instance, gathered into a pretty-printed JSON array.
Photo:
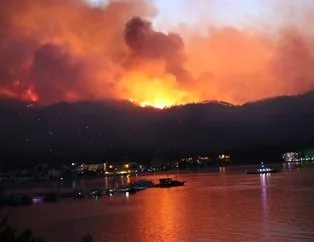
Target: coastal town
[
  {"x": 46, "y": 172},
  {"x": 42, "y": 172}
]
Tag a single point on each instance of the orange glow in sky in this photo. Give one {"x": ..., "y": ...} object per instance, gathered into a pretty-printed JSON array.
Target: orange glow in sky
[{"x": 90, "y": 53}]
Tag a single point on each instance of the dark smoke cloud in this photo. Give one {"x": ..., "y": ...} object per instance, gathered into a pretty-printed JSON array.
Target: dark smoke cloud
[
  {"x": 145, "y": 42},
  {"x": 55, "y": 71}
]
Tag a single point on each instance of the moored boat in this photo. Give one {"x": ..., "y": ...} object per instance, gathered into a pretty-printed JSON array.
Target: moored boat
[
  {"x": 168, "y": 182},
  {"x": 15, "y": 200},
  {"x": 142, "y": 185},
  {"x": 109, "y": 191},
  {"x": 129, "y": 189},
  {"x": 78, "y": 194},
  {"x": 262, "y": 169},
  {"x": 96, "y": 193}
]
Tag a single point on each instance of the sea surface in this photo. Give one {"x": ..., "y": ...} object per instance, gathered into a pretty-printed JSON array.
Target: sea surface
[{"x": 211, "y": 207}]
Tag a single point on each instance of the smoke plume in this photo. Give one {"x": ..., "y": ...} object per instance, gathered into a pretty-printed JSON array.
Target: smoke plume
[{"x": 56, "y": 50}]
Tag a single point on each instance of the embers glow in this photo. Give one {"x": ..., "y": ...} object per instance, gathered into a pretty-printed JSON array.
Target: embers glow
[{"x": 158, "y": 104}]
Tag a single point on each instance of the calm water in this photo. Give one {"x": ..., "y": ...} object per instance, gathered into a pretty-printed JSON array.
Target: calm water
[{"x": 211, "y": 207}]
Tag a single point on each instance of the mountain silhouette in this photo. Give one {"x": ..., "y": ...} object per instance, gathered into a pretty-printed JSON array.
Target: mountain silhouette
[{"x": 90, "y": 131}]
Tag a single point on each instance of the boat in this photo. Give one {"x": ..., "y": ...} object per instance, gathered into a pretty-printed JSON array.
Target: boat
[
  {"x": 108, "y": 191},
  {"x": 140, "y": 188},
  {"x": 78, "y": 194},
  {"x": 141, "y": 185},
  {"x": 96, "y": 193},
  {"x": 168, "y": 182},
  {"x": 129, "y": 189},
  {"x": 262, "y": 169},
  {"x": 16, "y": 200}
]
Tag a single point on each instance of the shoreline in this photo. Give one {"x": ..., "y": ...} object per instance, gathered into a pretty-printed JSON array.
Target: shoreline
[{"x": 67, "y": 183}]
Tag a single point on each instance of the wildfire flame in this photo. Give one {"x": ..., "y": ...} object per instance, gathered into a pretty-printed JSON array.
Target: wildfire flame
[
  {"x": 158, "y": 104},
  {"x": 16, "y": 91},
  {"x": 158, "y": 92}
]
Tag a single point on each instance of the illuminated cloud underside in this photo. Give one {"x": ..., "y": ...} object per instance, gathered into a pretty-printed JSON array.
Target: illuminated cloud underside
[{"x": 95, "y": 53}]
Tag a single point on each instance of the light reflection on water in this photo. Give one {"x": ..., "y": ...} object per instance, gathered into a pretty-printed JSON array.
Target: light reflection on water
[
  {"x": 264, "y": 178},
  {"x": 211, "y": 207}
]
